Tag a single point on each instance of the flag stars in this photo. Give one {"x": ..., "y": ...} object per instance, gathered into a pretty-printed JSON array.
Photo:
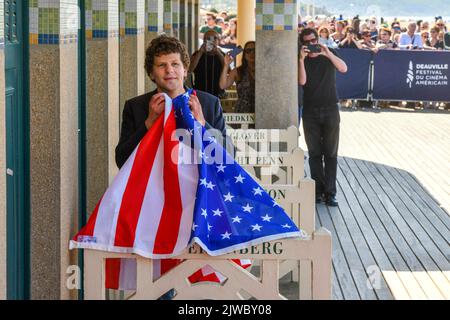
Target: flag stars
[
  {"x": 204, "y": 213},
  {"x": 239, "y": 179},
  {"x": 275, "y": 204},
  {"x": 221, "y": 168},
  {"x": 256, "y": 227},
  {"x": 286, "y": 226},
  {"x": 236, "y": 219},
  {"x": 266, "y": 218},
  {"x": 247, "y": 208},
  {"x": 257, "y": 191},
  {"x": 203, "y": 182},
  {"x": 194, "y": 226},
  {"x": 209, "y": 227},
  {"x": 210, "y": 185},
  {"x": 229, "y": 197},
  {"x": 226, "y": 235},
  {"x": 217, "y": 212}
]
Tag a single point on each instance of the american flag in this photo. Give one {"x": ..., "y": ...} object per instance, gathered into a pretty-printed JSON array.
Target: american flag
[{"x": 180, "y": 186}]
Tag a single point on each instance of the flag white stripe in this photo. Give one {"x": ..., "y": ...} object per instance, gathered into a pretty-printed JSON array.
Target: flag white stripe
[
  {"x": 127, "y": 277},
  {"x": 108, "y": 211},
  {"x": 152, "y": 205},
  {"x": 156, "y": 269}
]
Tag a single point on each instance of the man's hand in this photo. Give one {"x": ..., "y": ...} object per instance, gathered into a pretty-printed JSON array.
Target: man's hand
[
  {"x": 196, "y": 108},
  {"x": 303, "y": 53},
  {"x": 325, "y": 51},
  {"x": 156, "y": 106}
]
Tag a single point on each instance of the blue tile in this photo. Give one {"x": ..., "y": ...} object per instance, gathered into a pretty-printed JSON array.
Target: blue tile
[{"x": 131, "y": 31}]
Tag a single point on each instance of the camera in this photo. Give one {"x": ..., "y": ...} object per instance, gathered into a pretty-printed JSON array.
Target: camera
[
  {"x": 314, "y": 48},
  {"x": 209, "y": 45}
]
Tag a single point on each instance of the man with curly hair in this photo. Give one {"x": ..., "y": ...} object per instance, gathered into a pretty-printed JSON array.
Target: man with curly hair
[{"x": 166, "y": 63}]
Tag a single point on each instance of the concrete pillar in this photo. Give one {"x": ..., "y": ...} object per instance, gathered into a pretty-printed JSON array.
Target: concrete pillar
[
  {"x": 183, "y": 21},
  {"x": 2, "y": 161},
  {"x": 246, "y": 21},
  {"x": 168, "y": 17},
  {"x": 155, "y": 25},
  {"x": 132, "y": 50},
  {"x": 102, "y": 96},
  {"x": 53, "y": 146},
  {"x": 196, "y": 23},
  {"x": 176, "y": 18},
  {"x": 190, "y": 26},
  {"x": 276, "y": 64}
]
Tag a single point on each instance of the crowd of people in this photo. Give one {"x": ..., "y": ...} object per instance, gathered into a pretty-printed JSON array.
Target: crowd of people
[
  {"x": 374, "y": 35},
  {"x": 213, "y": 72},
  {"x": 224, "y": 25}
]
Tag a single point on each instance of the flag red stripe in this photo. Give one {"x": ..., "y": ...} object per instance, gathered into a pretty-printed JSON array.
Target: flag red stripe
[
  {"x": 168, "y": 264},
  {"x": 112, "y": 273},
  {"x": 137, "y": 185},
  {"x": 169, "y": 224}
]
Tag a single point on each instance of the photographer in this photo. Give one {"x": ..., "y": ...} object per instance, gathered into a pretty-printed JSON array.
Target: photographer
[
  {"x": 244, "y": 77},
  {"x": 207, "y": 64},
  {"x": 350, "y": 41},
  {"x": 317, "y": 74},
  {"x": 410, "y": 40}
]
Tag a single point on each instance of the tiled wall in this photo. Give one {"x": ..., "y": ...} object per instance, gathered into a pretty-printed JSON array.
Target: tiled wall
[
  {"x": 132, "y": 16},
  {"x": 101, "y": 19},
  {"x": 154, "y": 16},
  {"x": 276, "y": 14},
  {"x": 113, "y": 18},
  {"x": 167, "y": 16},
  {"x": 2, "y": 36},
  {"x": 53, "y": 21},
  {"x": 175, "y": 14}
]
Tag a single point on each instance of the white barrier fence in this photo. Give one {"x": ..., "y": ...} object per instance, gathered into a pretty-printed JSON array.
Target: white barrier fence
[
  {"x": 280, "y": 171},
  {"x": 315, "y": 251}
]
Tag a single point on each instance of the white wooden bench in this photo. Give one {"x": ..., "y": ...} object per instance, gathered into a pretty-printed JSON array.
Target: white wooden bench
[
  {"x": 264, "y": 140},
  {"x": 282, "y": 175},
  {"x": 239, "y": 120},
  {"x": 294, "y": 193},
  {"x": 316, "y": 251}
]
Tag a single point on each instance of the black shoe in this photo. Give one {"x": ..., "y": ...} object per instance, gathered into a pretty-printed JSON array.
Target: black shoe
[
  {"x": 331, "y": 201},
  {"x": 319, "y": 198}
]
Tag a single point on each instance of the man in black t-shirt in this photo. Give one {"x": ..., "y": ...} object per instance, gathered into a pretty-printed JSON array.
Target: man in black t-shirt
[
  {"x": 207, "y": 64},
  {"x": 317, "y": 75}
]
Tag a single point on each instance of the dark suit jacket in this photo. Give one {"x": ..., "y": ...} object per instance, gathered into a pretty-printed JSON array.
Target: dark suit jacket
[{"x": 136, "y": 111}]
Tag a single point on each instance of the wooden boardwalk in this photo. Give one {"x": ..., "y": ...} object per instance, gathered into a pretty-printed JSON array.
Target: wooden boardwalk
[{"x": 391, "y": 231}]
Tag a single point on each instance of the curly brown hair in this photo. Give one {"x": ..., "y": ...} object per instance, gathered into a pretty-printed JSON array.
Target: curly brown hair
[{"x": 163, "y": 45}]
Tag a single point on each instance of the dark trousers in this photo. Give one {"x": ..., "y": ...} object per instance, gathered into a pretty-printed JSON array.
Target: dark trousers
[{"x": 321, "y": 129}]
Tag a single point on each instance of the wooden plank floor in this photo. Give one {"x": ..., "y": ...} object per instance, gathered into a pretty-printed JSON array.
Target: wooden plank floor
[{"x": 391, "y": 231}]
